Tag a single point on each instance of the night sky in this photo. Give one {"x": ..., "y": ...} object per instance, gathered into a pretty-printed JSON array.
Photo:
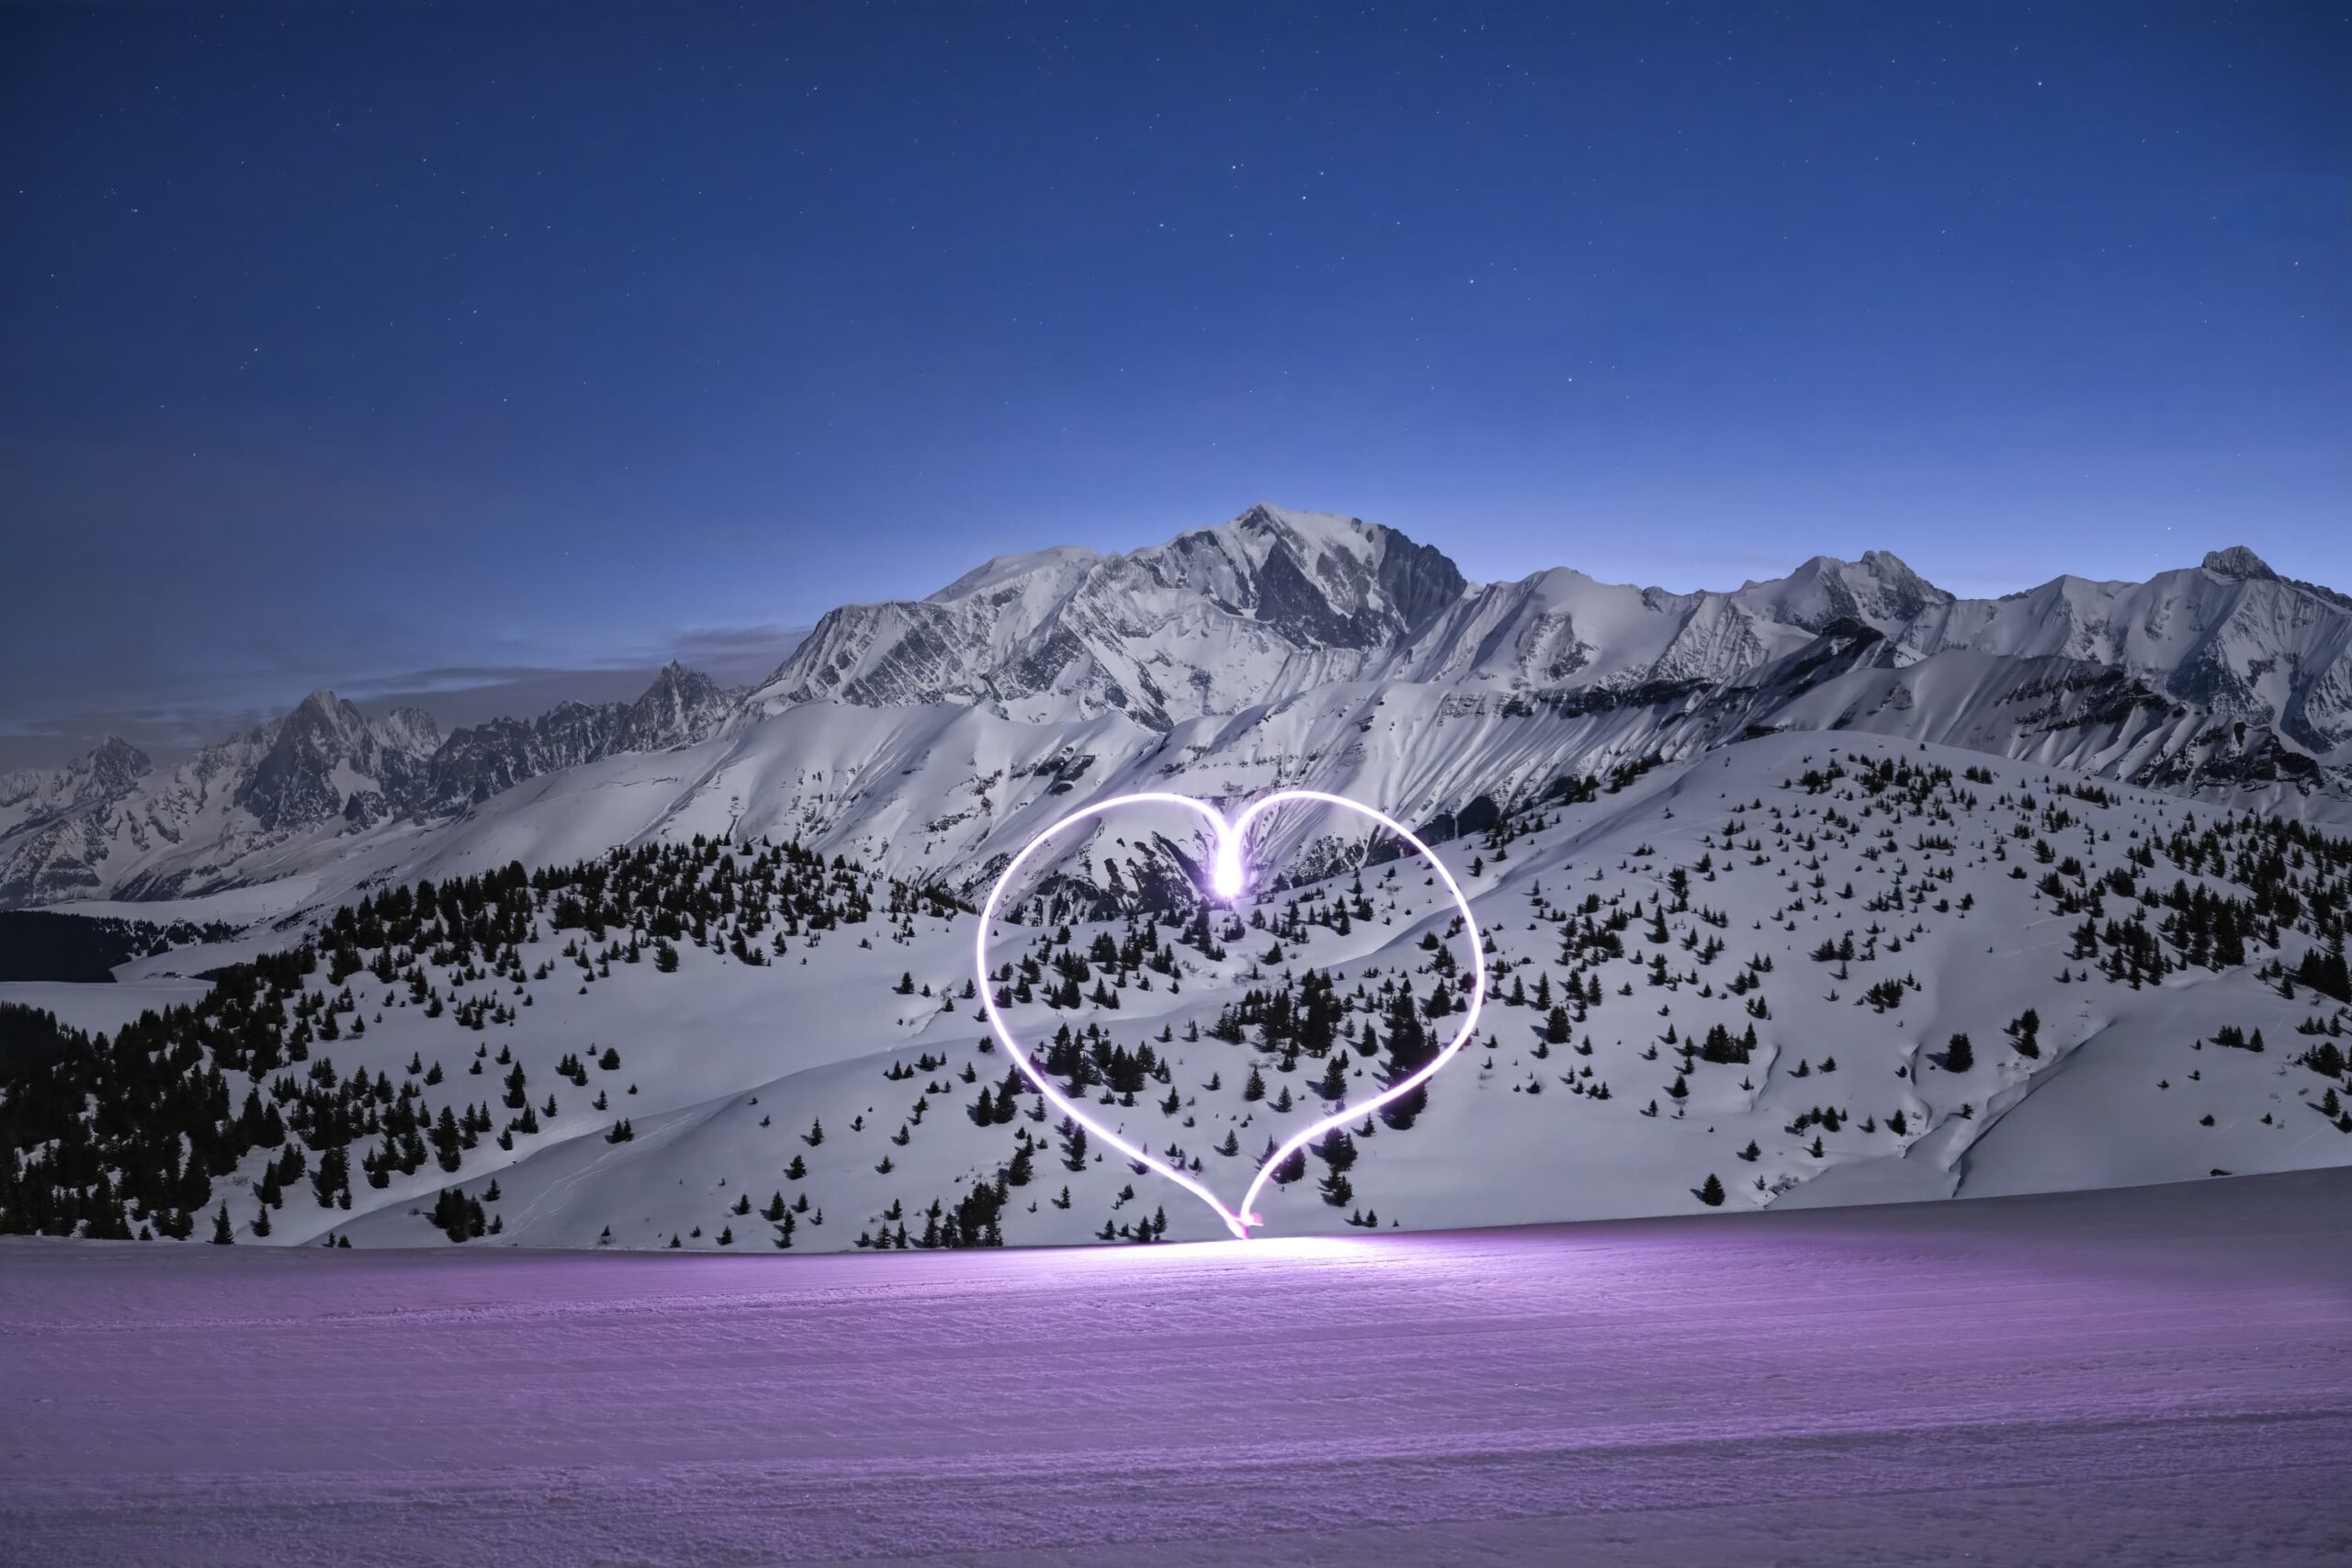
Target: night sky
[{"x": 410, "y": 348}]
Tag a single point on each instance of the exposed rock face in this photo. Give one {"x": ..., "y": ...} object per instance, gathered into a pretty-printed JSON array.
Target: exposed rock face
[
  {"x": 681, "y": 707},
  {"x": 2238, "y": 564},
  {"x": 316, "y": 754}
]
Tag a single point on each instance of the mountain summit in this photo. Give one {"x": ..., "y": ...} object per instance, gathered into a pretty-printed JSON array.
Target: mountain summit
[
  {"x": 2237, "y": 563},
  {"x": 1210, "y": 621}
]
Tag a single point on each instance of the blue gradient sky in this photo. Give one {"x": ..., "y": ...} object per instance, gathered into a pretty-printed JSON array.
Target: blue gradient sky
[{"x": 343, "y": 348}]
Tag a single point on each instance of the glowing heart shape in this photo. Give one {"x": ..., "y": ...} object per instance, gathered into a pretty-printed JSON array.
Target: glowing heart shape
[{"x": 1227, "y": 877}]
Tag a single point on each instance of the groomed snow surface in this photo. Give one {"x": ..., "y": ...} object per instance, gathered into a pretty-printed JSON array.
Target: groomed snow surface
[{"x": 2142, "y": 1376}]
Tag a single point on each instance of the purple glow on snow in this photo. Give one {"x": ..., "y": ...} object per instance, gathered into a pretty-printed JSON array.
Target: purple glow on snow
[{"x": 1226, "y": 880}]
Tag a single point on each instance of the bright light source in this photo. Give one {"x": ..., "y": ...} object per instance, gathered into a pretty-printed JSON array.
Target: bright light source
[{"x": 1226, "y": 878}]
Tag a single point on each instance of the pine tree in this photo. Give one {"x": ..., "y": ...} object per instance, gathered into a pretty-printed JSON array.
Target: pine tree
[
  {"x": 221, "y": 1234},
  {"x": 1710, "y": 1191},
  {"x": 2025, "y": 1031},
  {"x": 333, "y": 1176},
  {"x": 1333, "y": 1084}
]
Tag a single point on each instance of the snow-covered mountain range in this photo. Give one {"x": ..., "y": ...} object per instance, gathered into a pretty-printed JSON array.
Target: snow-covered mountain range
[
  {"x": 300, "y": 789},
  {"x": 1829, "y": 889},
  {"x": 1281, "y": 646}
]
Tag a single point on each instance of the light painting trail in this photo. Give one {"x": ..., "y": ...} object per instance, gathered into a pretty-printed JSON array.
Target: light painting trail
[{"x": 1227, "y": 878}]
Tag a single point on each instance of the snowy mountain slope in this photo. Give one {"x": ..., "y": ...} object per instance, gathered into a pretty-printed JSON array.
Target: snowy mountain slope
[
  {"x": 1664, "y": 920},
  {"x": 303, "y": 792},
  {"x": 1276, "y": 603},
  {"x": 948, "y": 791},
  {"x": 1214, "y": 621},
  {"x": 931, "y": 737},
  {"x": 108, "y": 769},
  {"x": 2129, "y": 1075},
  {"x": 232, "y": 812},
  {"x": 681, "y": 707},
  {"x": 53, "y": 822}
]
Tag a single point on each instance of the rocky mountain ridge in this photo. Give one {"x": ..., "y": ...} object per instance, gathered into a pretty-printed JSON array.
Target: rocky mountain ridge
[
  {"x": 1279, "y": 648},
  {"x": 323, "y": 770}
]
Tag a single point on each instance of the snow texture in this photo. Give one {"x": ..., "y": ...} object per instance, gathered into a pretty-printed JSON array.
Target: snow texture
[{"x": 2150, "y": 1376}]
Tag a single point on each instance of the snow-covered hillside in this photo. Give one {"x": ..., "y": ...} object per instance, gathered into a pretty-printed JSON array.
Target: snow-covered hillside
[
  {"x": 1740, "y": 979},
  {"x": 1747, "y": 863}
]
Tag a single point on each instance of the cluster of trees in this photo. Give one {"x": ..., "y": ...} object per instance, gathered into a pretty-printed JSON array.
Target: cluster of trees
[{"x": 125, "y": 1134}]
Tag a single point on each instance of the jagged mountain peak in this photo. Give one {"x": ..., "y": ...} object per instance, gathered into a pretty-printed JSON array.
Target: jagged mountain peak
[
  {"x": 106, "y": 771},
  {"x": 325, "y": 759},
  {"x": 114, "y": 761},
  {"x": 320, "y": 770},
  {"x": 1309, "y": 536},
  {"x": 1892, "y": 566},
  {"x": 1880, "y": 590},
  {"x": 2238, "y": 562},
  {"x": 681, "y": 706},
  {"x": 1209, "y": 621},
  {"x": 323, "y": 719},
  {"x": 675, "y": 676},
  {"x": 1275, "y": 602},
  {"x": 318, "y": 712},
  {"x": 1318, "y": 578}
]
